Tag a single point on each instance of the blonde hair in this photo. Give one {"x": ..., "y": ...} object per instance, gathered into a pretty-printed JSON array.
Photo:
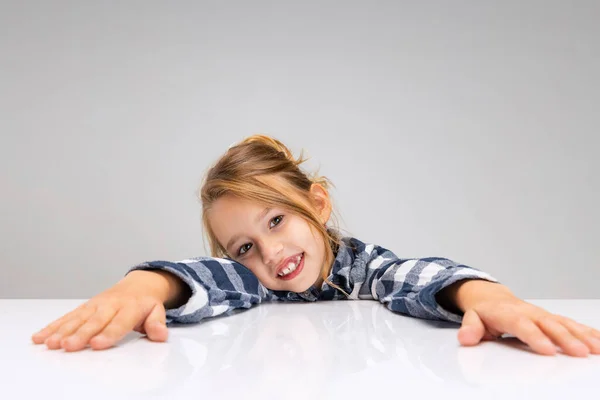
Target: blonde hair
[{"x": 241, "y": 172}]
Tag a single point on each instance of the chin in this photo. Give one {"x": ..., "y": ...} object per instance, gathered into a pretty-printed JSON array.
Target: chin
[
  {"x": 295, "y": 287},
  {"x": 299, "y": 287}
]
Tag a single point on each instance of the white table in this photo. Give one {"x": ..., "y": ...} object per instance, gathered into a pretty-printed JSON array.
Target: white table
[{"x": 332, "y": 349}]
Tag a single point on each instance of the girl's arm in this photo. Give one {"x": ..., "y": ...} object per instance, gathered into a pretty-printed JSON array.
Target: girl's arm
[
  {"x": 410, "y": 286},
  {"x": 491, "y": 310},
  {"x": 148, "y": 302},
  {"x": 205, "y": 287},
  {"x": 439, "y": 288}
]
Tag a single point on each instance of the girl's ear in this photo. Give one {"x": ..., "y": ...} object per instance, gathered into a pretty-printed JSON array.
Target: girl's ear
[{"x": 321, "y": 201}]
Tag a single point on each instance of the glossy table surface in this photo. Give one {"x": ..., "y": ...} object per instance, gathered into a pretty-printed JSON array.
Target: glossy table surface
[{"x": 331, "y": 349}]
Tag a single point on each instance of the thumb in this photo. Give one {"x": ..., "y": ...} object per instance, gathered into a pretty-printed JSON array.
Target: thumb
[
  {"x": 472, "y": 330},
  {"x": 155, "y": 324}
]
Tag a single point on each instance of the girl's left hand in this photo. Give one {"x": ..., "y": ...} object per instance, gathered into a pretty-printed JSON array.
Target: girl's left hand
[{"x": 540, "y": 329}]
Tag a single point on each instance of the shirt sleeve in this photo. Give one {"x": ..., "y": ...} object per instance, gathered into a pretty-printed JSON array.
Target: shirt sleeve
[
  {"x": 409, "y": 286},
  {"x": 218, "y": 286}
]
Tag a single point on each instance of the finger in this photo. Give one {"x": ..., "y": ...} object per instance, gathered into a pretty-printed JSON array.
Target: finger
[
  {"x": 472, "y": 329},
  {"x": 123, "y": 322},
  {"x": 68, "y": 327},
  {"x": 528, "y": 332},
  {"x": 562, "y": 337},
  {"x": 96, "y": 323},
  {"x": 584, "y": 334},
  {"x": 41, "y": 335},
  {"x": 155, "y": 324}
]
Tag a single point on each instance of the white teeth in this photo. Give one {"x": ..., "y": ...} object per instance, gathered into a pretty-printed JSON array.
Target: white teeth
[{"x": 291, "y": 266}]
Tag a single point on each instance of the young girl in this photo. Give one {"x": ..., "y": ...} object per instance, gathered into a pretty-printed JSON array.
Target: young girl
[{"x": 266, "y": 223}]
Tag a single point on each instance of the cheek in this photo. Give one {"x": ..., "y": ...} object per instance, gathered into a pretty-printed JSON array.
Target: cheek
[{"x": 258, "y": 271}]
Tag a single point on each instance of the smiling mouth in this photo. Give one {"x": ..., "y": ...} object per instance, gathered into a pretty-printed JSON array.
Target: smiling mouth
[{"x": 292, "y": 270}]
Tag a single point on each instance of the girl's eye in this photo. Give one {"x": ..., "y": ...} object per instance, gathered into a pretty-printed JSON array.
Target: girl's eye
[
  {"x": 276, "y": 218},
  {"x": 273, "y": 219}
]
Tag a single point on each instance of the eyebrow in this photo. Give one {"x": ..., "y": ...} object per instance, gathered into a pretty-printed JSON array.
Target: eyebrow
[{"x": 259, "y": 217}]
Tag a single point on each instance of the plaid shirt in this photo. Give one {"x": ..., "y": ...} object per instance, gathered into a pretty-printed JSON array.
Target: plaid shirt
[{"x": 363, "y": 270}]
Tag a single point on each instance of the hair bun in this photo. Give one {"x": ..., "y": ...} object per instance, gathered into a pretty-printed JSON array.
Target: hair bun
[{"x": 274, "y": 144}]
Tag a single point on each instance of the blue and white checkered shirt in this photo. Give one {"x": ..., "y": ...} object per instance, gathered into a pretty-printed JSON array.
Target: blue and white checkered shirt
[{"x": 363, "y": 270}]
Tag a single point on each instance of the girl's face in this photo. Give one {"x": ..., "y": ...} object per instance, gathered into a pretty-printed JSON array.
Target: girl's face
[{"x": 263, "y": 240}]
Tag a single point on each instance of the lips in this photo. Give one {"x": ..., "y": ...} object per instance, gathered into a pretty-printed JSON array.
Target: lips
[
  {"x": 294, "y": 273},
  {"x": 285, "y": 263}
]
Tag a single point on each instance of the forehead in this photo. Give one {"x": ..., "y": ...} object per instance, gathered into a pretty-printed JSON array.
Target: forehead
[
  {"x": 229, "y": 203},
  {"x": 231, "y": 216}
]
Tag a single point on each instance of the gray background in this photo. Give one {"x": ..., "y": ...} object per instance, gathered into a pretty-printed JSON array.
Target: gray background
[{"x": 464, "y": 129}]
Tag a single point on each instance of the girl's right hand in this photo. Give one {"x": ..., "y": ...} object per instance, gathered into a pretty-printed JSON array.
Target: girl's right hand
[{"x": 106, "y": 318}]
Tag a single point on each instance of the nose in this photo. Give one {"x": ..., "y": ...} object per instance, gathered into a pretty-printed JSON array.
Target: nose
[{"x": 272, "y": 252}]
